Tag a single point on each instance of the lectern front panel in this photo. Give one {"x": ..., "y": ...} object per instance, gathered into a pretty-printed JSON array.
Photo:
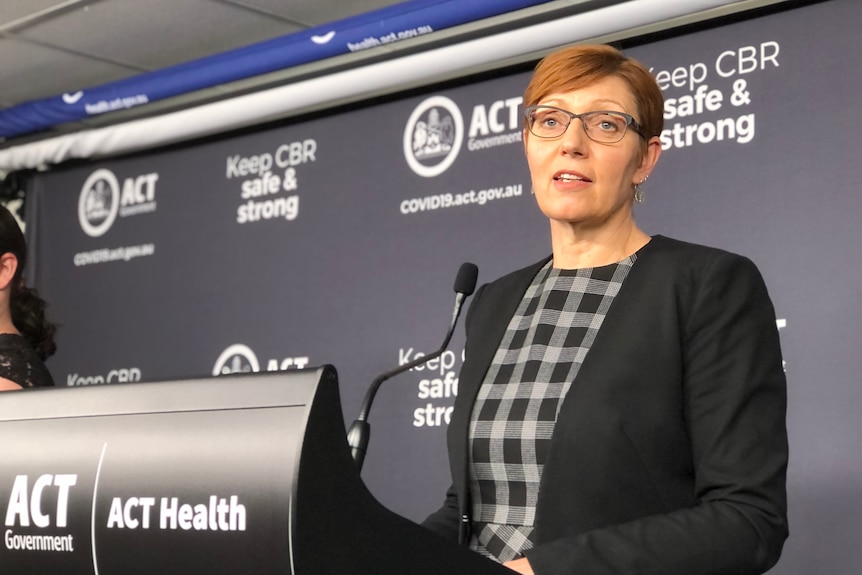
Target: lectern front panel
[{"x": 191, "y": 477}]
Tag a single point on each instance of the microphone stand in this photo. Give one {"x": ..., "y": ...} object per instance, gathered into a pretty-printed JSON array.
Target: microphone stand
[{"x": 360, "y": 430}]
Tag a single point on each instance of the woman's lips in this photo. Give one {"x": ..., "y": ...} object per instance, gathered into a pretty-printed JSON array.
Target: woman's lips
[{"x": 570, "y": 177}]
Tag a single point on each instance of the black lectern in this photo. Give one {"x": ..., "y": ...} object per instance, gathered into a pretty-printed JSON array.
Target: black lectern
[{"x": 236, "y": 474}]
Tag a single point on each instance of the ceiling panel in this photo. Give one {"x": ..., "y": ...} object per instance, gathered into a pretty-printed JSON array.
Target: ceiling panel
[
  {"x": 12, "y": 10},
  {"x": 29, "y": 72},
  {"x": 316, "y": 12},
  {"x": 158, "y": 33},
  {"x": 48, "y": 47}
]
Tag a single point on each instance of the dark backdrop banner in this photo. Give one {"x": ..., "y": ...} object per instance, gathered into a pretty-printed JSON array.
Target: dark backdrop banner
[{"x": 336, "y": 240}]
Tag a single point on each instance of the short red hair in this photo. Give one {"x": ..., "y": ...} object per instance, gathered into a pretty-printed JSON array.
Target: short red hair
[{"x": 579, "y": 66}]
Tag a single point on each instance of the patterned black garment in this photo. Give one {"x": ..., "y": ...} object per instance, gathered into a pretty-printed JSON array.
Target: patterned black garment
[
  {"x": 516, "y": 409},
  {"x": 19, "y": 363}
]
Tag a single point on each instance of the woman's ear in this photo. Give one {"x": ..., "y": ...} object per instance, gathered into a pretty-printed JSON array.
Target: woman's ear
[
  {"x": 648, "y": 160},
  {"x": 8, "y": 267}
]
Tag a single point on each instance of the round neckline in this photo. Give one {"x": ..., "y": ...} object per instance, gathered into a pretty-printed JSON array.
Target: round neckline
[{"x": 636, "y": 254}]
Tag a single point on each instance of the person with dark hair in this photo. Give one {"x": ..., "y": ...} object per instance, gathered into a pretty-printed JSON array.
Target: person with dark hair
[
  {"x": 622, "y": 403},
  {"x": 26, "y": 337}
]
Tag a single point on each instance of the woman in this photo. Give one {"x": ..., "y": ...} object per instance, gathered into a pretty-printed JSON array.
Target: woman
[
  {"x": 26, "y": 338},
  {"x": 622, "y": 403}
]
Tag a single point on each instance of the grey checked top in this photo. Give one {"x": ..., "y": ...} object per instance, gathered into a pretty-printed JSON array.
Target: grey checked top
[{"x": 516, "y": 409}]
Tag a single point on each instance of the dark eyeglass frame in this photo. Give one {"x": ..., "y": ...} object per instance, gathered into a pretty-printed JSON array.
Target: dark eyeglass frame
[{"x": 630, "y": 121}]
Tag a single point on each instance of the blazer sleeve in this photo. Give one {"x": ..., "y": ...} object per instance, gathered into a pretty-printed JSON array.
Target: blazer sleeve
[
  {"x": 446, "y": 520},
  {"x": 734, "y": 397}
]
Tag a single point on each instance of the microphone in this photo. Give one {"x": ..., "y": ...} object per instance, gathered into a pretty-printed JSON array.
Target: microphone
[{"x": 360, "y": 430}]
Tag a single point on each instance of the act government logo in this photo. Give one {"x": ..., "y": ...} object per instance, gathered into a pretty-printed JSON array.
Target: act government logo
[
  {"x": 102, "y": 199},
  {"x": 433, "y": 136},
  {"x": 99, "y": 202},
  {"x": 237, "y": 358}
]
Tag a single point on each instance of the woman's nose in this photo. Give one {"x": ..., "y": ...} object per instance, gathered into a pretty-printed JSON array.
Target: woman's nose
[{"x": 574, "y": 140}]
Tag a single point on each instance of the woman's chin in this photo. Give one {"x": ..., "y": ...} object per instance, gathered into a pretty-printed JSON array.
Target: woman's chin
[{"x": 567, "y": 214}]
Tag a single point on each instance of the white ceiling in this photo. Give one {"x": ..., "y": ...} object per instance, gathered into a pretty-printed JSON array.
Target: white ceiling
[{"x": 48, "y": 47}]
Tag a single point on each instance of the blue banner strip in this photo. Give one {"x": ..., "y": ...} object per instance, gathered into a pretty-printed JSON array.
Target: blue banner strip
[{"x": 368, "y": 30}]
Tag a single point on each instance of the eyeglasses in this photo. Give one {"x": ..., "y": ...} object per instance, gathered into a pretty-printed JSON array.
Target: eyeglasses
[{"x": 600, "y": 126}]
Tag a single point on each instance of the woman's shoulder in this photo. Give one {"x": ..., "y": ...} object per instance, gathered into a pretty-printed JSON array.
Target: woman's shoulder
[
  {"x": 8, "y": 385},
  {"x": 663, "y": 252},
  {"x": 695, "y": 269},
  {"x": 671, "y": 247},
  {"x": 13, "y": 342},
  {"x": 21, "y": 364}
]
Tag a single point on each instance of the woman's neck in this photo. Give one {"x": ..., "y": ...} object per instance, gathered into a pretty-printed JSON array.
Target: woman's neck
[
  {"x": 8, "y": 328},
  {"x": 576, "y": 248},
  {"x": 6, "y": 325}
]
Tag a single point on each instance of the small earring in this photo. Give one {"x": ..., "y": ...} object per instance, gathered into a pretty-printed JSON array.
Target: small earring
[
  {"x": 639, "y": 193},
  {"x": 532, "y": 190}
]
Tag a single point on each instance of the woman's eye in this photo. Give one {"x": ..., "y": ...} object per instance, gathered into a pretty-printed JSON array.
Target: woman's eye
[{"x": 607, "y": 124}]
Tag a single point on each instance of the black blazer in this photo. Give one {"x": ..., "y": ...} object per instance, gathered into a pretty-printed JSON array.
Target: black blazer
[{"x": 670, "y": 451}]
